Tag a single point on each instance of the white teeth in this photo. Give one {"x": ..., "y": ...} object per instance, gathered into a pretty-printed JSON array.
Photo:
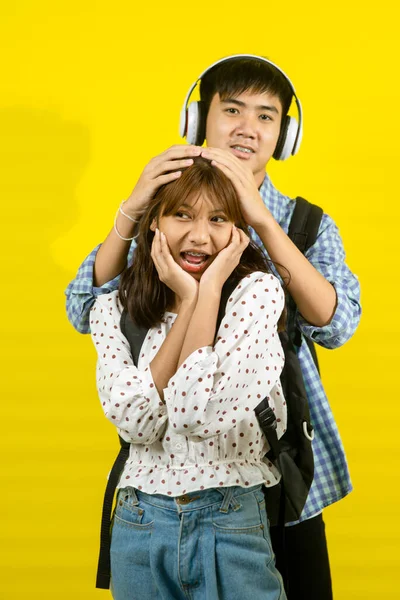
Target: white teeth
[
  {"x": 195, "y": 254},
  {"x": 241, "y": 149}
]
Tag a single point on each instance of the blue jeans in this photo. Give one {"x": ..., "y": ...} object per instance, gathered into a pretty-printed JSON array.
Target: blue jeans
[{"x": 207, "y": 545}]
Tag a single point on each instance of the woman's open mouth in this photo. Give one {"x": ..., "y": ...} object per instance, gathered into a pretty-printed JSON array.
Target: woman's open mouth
[{"x": 194, "y": 262}]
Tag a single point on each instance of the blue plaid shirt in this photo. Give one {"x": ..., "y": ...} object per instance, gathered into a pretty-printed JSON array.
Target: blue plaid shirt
[{"x": 331, "y": 478}]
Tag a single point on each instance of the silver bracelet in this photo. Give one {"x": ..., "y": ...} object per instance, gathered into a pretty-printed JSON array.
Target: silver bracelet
[
  {"x": 124, "y": 213},
  {"x": 118, "y": 233}
]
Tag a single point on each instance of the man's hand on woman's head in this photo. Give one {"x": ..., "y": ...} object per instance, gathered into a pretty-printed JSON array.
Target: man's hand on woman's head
[
  {"x": 162, "y": 169},
  {"x": 253, "y": 208}
]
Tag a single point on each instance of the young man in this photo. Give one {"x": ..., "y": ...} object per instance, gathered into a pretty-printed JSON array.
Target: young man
[{"x": 243, "y": 113}]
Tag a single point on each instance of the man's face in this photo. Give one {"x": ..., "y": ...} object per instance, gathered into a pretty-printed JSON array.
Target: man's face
[{"x": 247, "y": 125}]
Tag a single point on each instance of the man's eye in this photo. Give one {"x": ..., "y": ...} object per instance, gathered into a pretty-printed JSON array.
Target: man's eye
[
  {"x": 265, "y": 118},
  {"x": 232, "y": 111}
]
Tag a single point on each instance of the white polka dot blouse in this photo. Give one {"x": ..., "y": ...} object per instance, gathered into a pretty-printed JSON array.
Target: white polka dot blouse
[{"x": 204, "y": 433}]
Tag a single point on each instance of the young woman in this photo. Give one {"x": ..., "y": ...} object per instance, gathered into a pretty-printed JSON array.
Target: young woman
[{"x": 190, "y": 519}]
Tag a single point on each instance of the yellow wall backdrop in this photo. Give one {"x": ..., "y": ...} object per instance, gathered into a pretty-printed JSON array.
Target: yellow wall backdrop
[{"x": 90, "y": 91}]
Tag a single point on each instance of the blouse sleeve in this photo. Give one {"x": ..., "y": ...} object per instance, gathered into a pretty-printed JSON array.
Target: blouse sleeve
[
  {"x": 128, "y": 396},
  {"x": 217, "y": 386}
]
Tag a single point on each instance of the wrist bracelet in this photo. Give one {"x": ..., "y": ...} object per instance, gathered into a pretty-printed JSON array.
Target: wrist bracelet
[
  {"x": 118, "y": 233},
  {"x": 124, "y": 213}
]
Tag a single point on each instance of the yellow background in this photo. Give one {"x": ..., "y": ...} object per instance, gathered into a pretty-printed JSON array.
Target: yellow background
[{"x": 90, "y": 91}]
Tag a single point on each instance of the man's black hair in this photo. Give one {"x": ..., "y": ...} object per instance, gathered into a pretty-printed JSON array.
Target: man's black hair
[{"x": 238, "y": 75}]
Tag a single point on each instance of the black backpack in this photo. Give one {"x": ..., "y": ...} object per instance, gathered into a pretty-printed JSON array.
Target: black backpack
[{"x": 292, "y": 453}]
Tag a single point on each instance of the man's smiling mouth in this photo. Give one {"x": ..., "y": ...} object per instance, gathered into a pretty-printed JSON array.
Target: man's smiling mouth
[
  {"x": 244, "y": 149},
  {"x": 242, "y": 152}
]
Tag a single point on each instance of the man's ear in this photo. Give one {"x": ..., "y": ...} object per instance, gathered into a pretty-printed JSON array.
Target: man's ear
[{"x": 153, "y": 225}]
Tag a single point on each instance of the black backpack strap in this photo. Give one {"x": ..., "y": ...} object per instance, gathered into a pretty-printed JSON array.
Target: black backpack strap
[
  {"x": 104, "y": 563},
  {"x": 135, "y": 336},
  {"x": 267, "y": 421},
  {"x": 303, "y": 231},
  {"x": 304, "y": 225}
]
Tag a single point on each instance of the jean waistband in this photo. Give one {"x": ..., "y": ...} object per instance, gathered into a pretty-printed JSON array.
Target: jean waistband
[{"x": 226, "y": 496}]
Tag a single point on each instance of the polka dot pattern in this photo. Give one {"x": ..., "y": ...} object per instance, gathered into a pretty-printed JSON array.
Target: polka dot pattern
[{"x": 205, "y": 432}]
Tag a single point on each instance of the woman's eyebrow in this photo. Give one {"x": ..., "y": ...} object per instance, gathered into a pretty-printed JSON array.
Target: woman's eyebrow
[{"x": 215, "y": 210}]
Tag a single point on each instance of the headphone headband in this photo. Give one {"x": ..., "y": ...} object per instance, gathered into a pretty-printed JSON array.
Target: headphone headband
[{"x": 183, "y": 119}]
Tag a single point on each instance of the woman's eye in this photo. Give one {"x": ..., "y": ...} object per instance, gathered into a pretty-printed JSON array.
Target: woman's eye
[
  {"x": 182, "y": 215},
  {"x": 218, "y": 219}
]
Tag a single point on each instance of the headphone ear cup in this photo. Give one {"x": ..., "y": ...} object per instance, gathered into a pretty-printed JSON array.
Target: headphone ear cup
[
  {"x": 287, "y": 139},
  {"x": 196, "y": 123}
]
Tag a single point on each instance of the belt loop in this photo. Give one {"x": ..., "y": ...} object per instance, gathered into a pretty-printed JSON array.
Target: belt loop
[
  {"x": 134, "y": 497},
  {"x": 228, "y": 496},
  {"x": 235, "y": 504}
]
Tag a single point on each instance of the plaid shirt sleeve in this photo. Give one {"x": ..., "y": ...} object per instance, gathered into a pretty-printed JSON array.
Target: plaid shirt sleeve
[
  {"x": 328, "y": 257},
  {"x": 81, "y": 293}
]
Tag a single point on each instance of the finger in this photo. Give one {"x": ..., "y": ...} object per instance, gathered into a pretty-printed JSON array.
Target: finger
[
  {"x": 166, "y": 252},
  {"x": 235, "y": 239},
  {"x": 155, "y": 252},
  {"x": 240, "y": 241},
  {"x": 154, "y": 242},
  {"x": 167, "y": 178},
  {"x": 228, "y": 160},
  {"x": 164, "y": 245},
  {"x": 163, "y": 168},
  {"x": 172, "y": 165},
  {"x": 155, "y": 247},
  {"x": 184, "y": 148},
  {"x": 162, "y": 258},
  {"x": 244, "y": 239},
  {"x": 232, "y": 174},
  {"x": 181, "y": 151},
  {"x": 223, "y": 156},
  {"x": 175, "y": 152}
]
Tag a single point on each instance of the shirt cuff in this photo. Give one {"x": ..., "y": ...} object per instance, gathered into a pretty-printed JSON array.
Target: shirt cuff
[
  {"x": 106, "y": 288},
  {"x": 339, "y": 323}
]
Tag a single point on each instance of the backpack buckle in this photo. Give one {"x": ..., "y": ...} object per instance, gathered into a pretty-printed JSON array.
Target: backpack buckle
[{"x": 267, "y": 419}]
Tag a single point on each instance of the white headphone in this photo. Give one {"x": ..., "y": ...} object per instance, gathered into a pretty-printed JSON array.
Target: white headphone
[{"x": 193, "y": 120}]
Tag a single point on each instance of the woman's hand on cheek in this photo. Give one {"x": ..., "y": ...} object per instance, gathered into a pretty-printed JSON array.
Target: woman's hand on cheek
[
  {"x": 169, "y": 272},
  {"x": 224, "y": 264}
]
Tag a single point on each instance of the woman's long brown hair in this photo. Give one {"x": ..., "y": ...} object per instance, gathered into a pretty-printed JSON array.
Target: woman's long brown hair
[{"x": 141, "y": 292}]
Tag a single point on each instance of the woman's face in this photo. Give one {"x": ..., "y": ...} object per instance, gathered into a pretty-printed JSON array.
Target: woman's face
[{"x": 196, "y": 232}]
